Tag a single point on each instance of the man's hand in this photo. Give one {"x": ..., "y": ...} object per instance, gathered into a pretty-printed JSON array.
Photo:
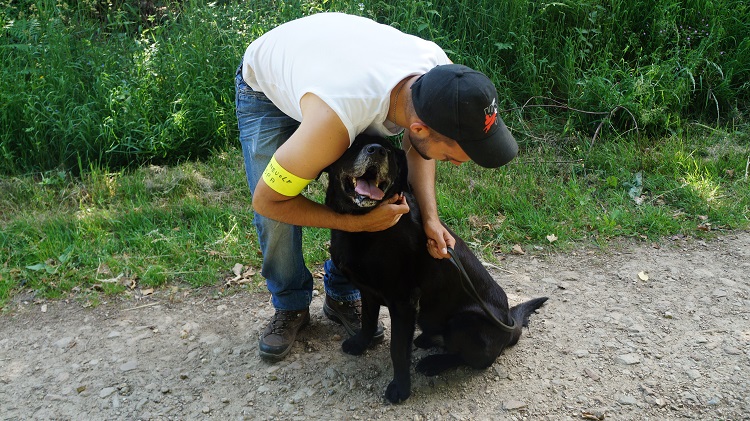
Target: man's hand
[
  {"x": 438, "y": 239},
  {"x": 385, "y": 215}
]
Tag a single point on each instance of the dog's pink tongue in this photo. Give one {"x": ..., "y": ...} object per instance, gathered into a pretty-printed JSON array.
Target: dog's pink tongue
[{"x": 365, "y": 188}]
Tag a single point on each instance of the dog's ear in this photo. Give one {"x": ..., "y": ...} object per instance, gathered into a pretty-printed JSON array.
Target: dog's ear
[{"x": 403, "y": 170}]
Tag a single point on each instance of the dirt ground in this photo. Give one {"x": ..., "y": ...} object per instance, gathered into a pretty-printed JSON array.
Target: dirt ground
[{"x": 637, "y": 331}]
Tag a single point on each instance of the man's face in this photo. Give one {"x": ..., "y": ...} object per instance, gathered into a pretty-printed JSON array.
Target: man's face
[{"x": 441, "y": 150}]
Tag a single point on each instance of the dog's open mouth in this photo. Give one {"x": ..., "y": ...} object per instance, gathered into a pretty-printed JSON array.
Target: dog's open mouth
[{"x": 369, "y": 185}]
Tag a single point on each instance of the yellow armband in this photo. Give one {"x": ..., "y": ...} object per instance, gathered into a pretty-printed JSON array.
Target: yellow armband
[{"x": 282, "y": 181}]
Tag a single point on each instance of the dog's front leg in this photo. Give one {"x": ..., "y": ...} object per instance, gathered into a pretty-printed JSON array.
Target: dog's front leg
[
  {"x": 357, "y": 344},
  {"x": 403, "y": 320}
]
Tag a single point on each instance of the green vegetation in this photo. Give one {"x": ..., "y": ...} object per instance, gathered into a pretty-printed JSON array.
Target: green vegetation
[{"x": 118, "y": 137}]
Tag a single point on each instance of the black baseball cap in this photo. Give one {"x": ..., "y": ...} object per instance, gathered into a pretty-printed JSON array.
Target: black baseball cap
[{"x": 461, "y": 103}]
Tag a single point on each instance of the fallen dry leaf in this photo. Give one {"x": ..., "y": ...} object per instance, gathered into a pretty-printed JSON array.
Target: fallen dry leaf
[
  {"x": 242, "y": 275},
  {"x": 552, "y": 238},
  {"x": 237, "y": 269},
  {"x": 590, "y": 416},
  {"x": 518, "y": 250},
  {"x": 147, "y": 291},
  {"x": 249, "y": 273}
]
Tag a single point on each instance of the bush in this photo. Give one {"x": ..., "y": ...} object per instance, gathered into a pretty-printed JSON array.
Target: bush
[{"x": 119, "y": 83}]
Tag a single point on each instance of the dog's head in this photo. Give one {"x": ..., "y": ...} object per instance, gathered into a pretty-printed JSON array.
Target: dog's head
[{"x": 370, "y": 171}]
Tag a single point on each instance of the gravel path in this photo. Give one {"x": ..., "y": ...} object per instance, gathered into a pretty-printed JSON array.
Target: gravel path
[{"x": 609, "y": 344}]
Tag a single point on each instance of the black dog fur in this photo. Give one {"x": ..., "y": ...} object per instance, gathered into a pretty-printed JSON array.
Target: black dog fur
[{"x": 394, "y": 269}]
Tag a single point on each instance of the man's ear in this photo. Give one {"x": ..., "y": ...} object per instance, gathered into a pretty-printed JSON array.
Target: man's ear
[{"x": 419, "y": 130}]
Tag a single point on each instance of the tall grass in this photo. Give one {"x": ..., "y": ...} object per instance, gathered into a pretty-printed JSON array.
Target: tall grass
[
  {"x": 120, "y": 83},
  {"x": 76, "y": 91}
]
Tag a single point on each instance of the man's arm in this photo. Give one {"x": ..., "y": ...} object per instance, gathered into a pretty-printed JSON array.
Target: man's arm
[
  {"x": 320, "y": 139},
  {"x": 422, "y": 179}
]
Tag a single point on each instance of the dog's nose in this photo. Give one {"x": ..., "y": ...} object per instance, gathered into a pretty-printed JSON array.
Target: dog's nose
[{"x": 376, "y": 149}]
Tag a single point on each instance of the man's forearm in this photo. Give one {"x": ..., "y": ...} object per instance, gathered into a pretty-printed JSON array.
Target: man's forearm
[
  {"x": 422, "y": 180},
  {"x": 303, "y": 212}
]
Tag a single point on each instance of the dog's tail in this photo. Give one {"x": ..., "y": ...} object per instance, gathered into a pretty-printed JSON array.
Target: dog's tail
[{"x": 520, "y": 315}]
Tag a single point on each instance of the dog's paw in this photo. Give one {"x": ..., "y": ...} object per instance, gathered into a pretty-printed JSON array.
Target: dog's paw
[
  {"x": 432, "y": 365},
  {"x": 395, "y": 393},
  {"x": 424, "y": 367},
  {"x": 424, "y": 341},
  {"x": 352, "y": 346}
]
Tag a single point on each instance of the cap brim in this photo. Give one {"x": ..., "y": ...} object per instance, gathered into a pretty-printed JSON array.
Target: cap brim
[{"x": 494, "y": 151}]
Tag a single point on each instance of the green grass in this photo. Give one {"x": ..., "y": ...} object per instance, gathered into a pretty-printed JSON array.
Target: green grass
[
  {"x": 581, "y": 194},
  {"x": 187, "y": 224},
  {"x": 191, "y": 223},
  {"x": 118, "y": 159}
]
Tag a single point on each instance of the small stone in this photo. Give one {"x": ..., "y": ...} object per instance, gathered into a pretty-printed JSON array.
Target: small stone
[
  {"x": 629, "y": 359},
  {"x": 593, "y": 375},
  {"x": 206, "y": 410},
  {"x": 653, "y": 400},
  {"x": 719, "y": 293},
  {"x": 513, "y": 405},
  {"x": 106, "y": 392},
  {"x": 690, "y": 398},
  {"x": 598, "y": 413},
  {"x": 124, "y": 389},
  {"x": 64, "y": 342},
  {"x": 129, "y": 366},
  {"x": 580, "y": 353},
  {"x": 113, "y": 334},
  {"x": 500, "y": 371},
  {"x": 732, "y": 350},
  {"x": 636, "y": 329},
  {"x": 626, "y": 399},
  {"x": 728, "y": 282},
  {"x": 693, "y": 374}
]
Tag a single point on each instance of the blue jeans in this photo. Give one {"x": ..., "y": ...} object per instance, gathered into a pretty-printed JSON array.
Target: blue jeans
[{"x": 263, "y": 128}]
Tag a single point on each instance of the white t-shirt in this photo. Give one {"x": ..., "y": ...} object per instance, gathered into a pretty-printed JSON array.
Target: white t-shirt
[{"x": 350, "y": 62}]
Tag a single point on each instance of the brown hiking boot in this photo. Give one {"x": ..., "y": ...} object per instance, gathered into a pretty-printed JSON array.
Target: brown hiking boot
[
  {"x": 278, "y": 337},
  {"x": 349, "y": 315}
]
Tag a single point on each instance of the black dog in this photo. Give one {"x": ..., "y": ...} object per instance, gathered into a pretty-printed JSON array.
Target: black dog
[{"x": 393, "y": 268}]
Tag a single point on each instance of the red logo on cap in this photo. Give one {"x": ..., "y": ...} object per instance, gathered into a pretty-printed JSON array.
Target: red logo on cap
[{"x": 490, "y": 115}]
